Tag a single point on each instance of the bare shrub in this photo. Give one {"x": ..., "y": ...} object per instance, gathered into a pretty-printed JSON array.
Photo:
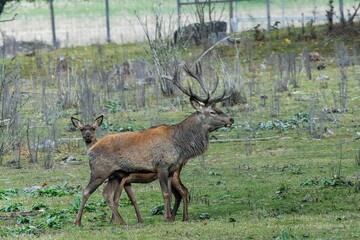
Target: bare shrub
[
  {"x": 352, "y": 16},
  {"x": 316, "y": 118},
  {"x": 343, "y": 61},
  {"x": 163, "y": 52},
  {"x": 306, "y": 62},
  {"x": 32, "y": 138},
  {"x": 356, "y": 65},
  {"x": 85, "y": 96},
  {"x": 275, "y": 104},
  {"x": 11, "y": 102},
  {"x": 233, "y": 74},
  {"x": 330, "y": 15},
  {"x": 293, "y": 69},
  {"x": 50, "y": 144}
]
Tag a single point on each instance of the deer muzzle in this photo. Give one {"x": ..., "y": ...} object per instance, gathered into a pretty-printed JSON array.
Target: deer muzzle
[{"x": 231, "y": 121}]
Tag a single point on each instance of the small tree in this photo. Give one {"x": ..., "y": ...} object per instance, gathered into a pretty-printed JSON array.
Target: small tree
[
  {"x": 164, "y": 53},
  {"x": 353, "y": 15},
  {"x": 330, "y": 15}
]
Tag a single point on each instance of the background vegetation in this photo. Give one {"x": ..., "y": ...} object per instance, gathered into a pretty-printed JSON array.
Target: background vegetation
[{"x": 287, "y": 169}]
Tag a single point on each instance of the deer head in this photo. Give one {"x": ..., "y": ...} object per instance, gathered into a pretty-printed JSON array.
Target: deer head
[
  {"x": 212, "y": 117},
  {"x": 88, "y": 131}
]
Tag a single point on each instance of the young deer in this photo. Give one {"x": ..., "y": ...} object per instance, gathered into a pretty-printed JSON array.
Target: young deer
[
  {"x": 88, "y": 133},
  {"x": 158, "y": 151},
  {"x": 87, "y": 130}
]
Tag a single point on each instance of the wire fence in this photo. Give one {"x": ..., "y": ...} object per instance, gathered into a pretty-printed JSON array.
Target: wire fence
[
  {"x": 289, "y": 12},
  {"x": 85, "y": 22}
]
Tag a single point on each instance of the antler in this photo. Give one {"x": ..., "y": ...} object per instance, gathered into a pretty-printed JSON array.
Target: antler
[{"x": 198, "y": 77}]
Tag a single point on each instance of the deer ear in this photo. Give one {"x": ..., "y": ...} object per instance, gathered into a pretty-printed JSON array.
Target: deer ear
[
  {"x": 196, "y": 104},
  {"x": 76, "y": 122},
  {"x": 98, "y": 121}
]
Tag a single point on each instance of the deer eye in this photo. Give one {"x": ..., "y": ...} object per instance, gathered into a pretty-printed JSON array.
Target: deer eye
[{"x": 212, "y": 113}]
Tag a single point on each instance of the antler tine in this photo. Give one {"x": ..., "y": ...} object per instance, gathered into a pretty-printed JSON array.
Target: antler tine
[
  {"x": 222, "y": 97},
  {"x": 189, "y": 92},
  {"x": 175, "y": 81},
  {"x": 197, "y": 76}
]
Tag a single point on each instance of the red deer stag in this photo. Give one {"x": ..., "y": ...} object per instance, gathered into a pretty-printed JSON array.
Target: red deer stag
[
  {"x": 159, "y": 150},
  {"x": 88, "y": 133}
]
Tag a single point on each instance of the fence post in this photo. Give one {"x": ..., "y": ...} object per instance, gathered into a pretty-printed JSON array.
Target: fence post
[
  {"x": 52, "y": 17},
  {"x": 231, "y": 16},
  {"x": 108, "y": 39},
  {"x": 179, "y": 12},
  {"x": 268, "y": 15},
  {"x": 341, "y": 9}
]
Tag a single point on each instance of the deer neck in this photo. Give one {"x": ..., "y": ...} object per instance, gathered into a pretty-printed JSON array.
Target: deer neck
[
  {"x": 89, "y": 144},
  {"x": 190, "y": 137}
]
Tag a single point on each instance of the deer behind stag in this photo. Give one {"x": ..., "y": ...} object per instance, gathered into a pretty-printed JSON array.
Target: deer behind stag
[
  {"x": 88, "y": 130},
  {"x": 158, "y": 150}
]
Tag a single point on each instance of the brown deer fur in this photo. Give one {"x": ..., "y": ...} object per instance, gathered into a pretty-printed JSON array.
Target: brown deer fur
[
  {"x": 159, "y": 150},
  {"x": 179, "y": 190}
]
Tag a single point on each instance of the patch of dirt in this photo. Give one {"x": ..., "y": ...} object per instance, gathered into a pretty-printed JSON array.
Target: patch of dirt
[{"x": 14, "y": 215}]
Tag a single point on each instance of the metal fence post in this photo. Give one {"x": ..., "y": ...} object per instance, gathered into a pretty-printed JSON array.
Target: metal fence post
[
  {"x": 341, "y": 9},
  {"x": 268, "y": 15},
  {"x": 108, "y": 39},
  {"x": 52, "y": 17}
]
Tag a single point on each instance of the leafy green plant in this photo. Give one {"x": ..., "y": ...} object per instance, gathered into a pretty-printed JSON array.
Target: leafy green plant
[
  {"x": 8, "y": 193},
  {"x": 114, "y": 106},
  {"x": 90, "y": 207},
  {"x": 158, "y": 210},
  {"x": 39, "y": 206},
  {"x": 295, "y": 121},
  {"x": 12, "y": 207},
  {"x": 283, "y": 236},
  {"x": 332, "y": 182},
  {"x": 326, "y": 182},
  {"x": 55, "y": 219},
  {"x": 54, "y": 191},
  {"x": 23, "y": 220}
]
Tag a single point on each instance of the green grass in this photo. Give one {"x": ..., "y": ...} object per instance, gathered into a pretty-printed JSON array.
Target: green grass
[{"x": 253, "y": 196}]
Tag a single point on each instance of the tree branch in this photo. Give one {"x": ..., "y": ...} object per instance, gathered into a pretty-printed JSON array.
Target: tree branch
[{"x": 9, "y": 20}]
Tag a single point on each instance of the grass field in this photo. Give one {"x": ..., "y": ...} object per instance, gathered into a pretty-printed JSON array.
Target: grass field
[{"x": 285, "y": 187}]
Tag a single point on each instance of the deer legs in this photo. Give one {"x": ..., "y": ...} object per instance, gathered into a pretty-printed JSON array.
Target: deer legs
[
  {"x": 130, "y": 193},
  {"x": 180, "y": 192},
  {"x": 107, "y": 193},
  {"x": 165, "y": 184},
  {"x": 113, "y": 189},
  {"x": 90, "y": 188},
  {"x": 177, "y": 188}
]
